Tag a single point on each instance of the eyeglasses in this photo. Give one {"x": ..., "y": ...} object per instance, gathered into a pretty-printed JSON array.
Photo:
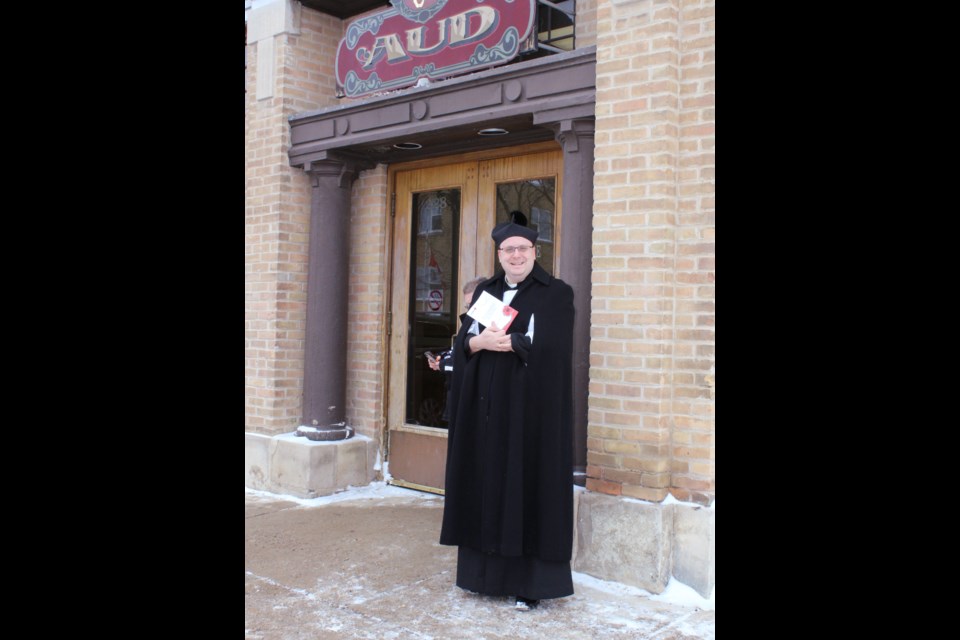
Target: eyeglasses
[{"x": 511, "y": 250}]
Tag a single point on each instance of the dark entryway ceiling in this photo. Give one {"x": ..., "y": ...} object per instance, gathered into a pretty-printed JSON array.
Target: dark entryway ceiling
[
  {"x": 450, "y": 140},
  {"x": 345, "y": 8}
]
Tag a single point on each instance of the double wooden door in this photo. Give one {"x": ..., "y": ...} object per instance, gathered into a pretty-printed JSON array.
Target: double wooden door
[{"x": 443, "y": 216}]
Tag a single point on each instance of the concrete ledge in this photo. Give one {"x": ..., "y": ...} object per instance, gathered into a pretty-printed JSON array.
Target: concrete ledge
[
  {"x": 645, "y": 543},
  {"x": 257, "y": 461},
  {"x": 624, "y": 540},
  {"x": 293, "y": 465},
  {"x": 694, "y": 547}
]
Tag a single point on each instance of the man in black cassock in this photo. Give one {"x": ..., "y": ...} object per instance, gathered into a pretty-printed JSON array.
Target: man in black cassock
[{"x": 509, "y": 475}]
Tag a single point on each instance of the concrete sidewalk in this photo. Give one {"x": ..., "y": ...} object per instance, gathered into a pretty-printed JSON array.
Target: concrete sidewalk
[{"x": 367, "y": 564}]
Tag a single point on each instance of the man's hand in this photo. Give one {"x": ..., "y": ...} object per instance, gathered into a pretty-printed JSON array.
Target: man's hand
[{"x": 492, "y": 339}]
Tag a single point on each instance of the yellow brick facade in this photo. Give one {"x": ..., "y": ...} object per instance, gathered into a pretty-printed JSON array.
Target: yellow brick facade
[
  {"x": 277, "y": 220},
  {"x": 651, "y": 430},
  {"x": 652, "y": 333}
]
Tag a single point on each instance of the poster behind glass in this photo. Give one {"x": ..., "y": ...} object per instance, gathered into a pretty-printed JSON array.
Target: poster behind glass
[{"x": 433, "y": 300}]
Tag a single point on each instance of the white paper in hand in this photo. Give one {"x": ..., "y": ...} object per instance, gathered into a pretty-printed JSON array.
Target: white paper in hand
[{"x": 488, "y": 310}]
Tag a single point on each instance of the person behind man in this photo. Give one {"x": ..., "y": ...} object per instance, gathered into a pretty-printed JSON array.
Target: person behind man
[
  {"x": 444, "y": 360},
  {"x": 509, "y": 475}
]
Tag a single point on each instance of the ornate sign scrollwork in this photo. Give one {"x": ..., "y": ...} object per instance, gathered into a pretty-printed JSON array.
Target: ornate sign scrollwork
[{"x": 434, "y": 39}]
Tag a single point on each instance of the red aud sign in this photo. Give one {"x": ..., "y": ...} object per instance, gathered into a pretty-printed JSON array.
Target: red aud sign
[{"x": 433, "y": 39}]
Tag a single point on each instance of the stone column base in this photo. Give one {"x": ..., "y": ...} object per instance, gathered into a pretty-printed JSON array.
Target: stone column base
[{"x": 304, "y": 468}]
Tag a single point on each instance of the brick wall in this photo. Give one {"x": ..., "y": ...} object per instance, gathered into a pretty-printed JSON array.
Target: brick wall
[
  {"x": 366, "y": 370},
  {"x": 693, "y": 394},
  {"x": 651, "y": 428},
  {"x": 277, "y": 219},
  {"x": 309, "y": 72},
  {"x": 586, "y": 23}
]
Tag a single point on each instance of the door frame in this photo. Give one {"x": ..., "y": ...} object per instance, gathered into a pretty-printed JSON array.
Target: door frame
[
  {"x": 548, "y": 100},
  {"x": 395, "y": 299}
]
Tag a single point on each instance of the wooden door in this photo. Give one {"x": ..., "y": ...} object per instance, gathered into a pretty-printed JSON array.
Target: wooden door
[{"x": 441, "y": 239}]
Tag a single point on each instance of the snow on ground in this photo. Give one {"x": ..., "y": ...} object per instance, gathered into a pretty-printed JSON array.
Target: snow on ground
[{"x": 381, "y": 493}]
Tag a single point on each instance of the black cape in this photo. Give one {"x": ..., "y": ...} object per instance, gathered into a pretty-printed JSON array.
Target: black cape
[{"x": 509, "y": 474}]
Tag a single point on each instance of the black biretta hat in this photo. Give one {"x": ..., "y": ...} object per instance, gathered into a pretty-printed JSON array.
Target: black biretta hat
[{"x": 510, "y": 229}]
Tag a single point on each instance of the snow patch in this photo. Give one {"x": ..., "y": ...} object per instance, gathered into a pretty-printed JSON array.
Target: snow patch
[
  {"x": 675, "y": 593},
  {"x": 374, "y": 492},
  {"x": 679, "y": 593}
]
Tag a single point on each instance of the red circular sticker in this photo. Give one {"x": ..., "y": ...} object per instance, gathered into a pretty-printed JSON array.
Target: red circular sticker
[{"x": 436, "y": 300}]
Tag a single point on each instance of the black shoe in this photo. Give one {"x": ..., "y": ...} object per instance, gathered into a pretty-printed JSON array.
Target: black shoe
[{"x": 526, "y": 604}]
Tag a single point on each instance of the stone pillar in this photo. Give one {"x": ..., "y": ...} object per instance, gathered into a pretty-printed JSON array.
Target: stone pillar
[
  {"x": 325, "y": 348},
  {"x": 576, "y": 252},
  {"x": 268, "y": 20}
]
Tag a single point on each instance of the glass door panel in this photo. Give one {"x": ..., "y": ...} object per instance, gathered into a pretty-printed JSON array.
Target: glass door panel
[
  {"x": 536, "y": 198},
  {"x": 531, "y": 184},
  {"x": 433, "y": 300}
]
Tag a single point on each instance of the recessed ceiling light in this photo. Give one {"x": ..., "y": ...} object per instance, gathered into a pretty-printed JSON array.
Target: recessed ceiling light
[
  {"x": 407, "y": 145},
  {"x": 494, "y": 131}
]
